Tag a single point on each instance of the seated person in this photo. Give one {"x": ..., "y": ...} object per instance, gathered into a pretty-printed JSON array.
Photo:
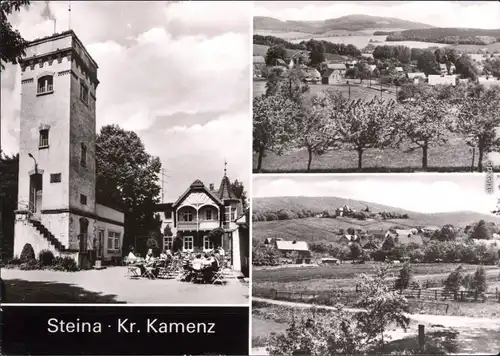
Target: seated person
[
  {"x": 170, "y": 255},
  {"x": 209, "y": 271},
  {"x": 149, "y": 257},
  {"x": 197, "y": 262},
  {"x": 163, "y": 255},
  {"x": 131, "y": 257}
]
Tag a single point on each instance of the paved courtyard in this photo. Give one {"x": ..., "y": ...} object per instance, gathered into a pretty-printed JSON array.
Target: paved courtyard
[{"x": 113, "y": 281}]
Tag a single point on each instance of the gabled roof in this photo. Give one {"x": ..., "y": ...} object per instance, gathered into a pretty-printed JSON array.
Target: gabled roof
[
  {"x": 225, "y": 191},
  {"x": 292, "y": 245},
  {"x": 416, "y": 75},
  {"x": 197, "y": 185}
]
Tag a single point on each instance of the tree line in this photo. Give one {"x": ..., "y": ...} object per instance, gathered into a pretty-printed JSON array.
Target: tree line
[
  {"x": 290, "y": 214},
  {"x": 447, "y": 35},
  {"x": 286, "y": 117}
]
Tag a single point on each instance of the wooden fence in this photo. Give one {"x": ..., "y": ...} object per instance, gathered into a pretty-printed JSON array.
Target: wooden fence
[{"x": 349, "y": 297}]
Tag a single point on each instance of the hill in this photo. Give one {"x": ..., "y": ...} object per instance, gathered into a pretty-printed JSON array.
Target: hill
[
  {"x": 319, "y": 204},
  {"x": 449, "y": 35},
  {"x": 349, "y": 23}
]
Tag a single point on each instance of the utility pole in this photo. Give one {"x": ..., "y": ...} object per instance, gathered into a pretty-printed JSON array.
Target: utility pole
[{"x": 163, "y": 173}]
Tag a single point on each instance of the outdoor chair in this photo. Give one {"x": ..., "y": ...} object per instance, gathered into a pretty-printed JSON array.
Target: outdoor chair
[
  {"x": 218, "y": 277},
  {"x": 132, "y": 272},
  {"x": 184, "y": 275},
  {"x": 198, "y": 277},
  {"x": 163, "y": 269},
  {"x": 148, "y": 273}
]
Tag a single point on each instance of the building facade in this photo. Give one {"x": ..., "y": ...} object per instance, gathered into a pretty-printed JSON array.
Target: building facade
[
  {"x": 57, "y": 208},
  {"x": 204, "y": 218}
]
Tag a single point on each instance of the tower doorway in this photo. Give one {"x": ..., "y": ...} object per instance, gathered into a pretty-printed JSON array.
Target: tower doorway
[{"x": 36, "y": 193}]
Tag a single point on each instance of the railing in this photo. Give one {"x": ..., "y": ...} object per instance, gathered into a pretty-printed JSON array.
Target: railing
[
  {"x": 45, "y": 89},
  {"x": 187, "y": 225}
]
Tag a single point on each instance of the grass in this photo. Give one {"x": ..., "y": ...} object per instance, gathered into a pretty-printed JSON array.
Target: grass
[
  {"x": 20, "y": 291},
  {"x": 325, "y": 279}
]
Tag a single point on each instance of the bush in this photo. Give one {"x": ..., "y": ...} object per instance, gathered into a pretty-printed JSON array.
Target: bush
[
  {"x": 15, "y": 261},
  {"x": 27, "y": 253},
  {"x": 46, "y": 258},
  {"x": 29, "y": 266},
  {"x": 68, "y": 264}
]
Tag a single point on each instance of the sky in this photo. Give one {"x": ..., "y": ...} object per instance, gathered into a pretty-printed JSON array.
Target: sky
[
  {"x": 472, "y": 14},
  {"x": 425, "y": 193},
  {"x": 177, "y": 73}
]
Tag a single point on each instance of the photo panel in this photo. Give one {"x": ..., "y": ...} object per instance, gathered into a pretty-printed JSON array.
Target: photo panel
[
  {"x": 399, "y": 263},
  {"x": 126, "y": 169},
  {"x": 375, "y": 87}
]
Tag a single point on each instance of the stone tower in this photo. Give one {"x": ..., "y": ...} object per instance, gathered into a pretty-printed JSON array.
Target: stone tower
[{"x": 57, "y": 174}]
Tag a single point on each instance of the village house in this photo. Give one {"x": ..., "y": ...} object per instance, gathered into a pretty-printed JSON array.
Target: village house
[
  {"x": 404, "y": 236},
  {"x": 344, "y": 211},
  {"x": 399, "y": 70},
  {"x": 333, "y": 74},
  {"x": 312, "y": 75},
  {"x": 270, "y": 240},
  {"x": 198, "y": 212},
  {"x": 488, "y": 81},
  {"x": 299, "y": 247},
  {"x": 443, "y": 69},
  {"x": 442, "y": 79},
  {"x": 416, "y": 77},
  {"x": 259, "y": 64},
  {"x": 348, "y": 239},
  {"x": 57, "y": 208}
]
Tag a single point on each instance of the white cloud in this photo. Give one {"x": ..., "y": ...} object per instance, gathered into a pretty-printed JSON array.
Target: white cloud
[
  {"x": 187, "y": 57},
  {"x": 437, "y": 195},
  {"x": 480, "y": 14}
]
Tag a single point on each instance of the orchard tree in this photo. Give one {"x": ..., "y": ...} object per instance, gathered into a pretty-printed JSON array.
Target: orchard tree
[
  {"x": 13, "y": 44},
  {"x": 367, "y": 124},
  {"x": 426, "y": 62},
  {"x": 273, "y": 117},
  {"x": 127, "y": 178},
  {"x": 481, "y": 231},
  {"x": 423, "y": 123},
  {"x": 478, "y": 118},
  {"x": 313, "y": 129},
  {"x": 404, "y": 279},
  {"x": 383, "y": 307}
]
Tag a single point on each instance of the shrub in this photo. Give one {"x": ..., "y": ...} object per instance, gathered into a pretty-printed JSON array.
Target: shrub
[
  {"x": 46, "y": 258},
  {"x": 68, "y": 264},
  {"x": 27, "y": 254},
  {"x": 15, "y": 261},
  {"x": 404, "y": 277}
]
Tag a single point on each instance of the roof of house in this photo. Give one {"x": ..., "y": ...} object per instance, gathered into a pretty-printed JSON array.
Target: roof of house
[
  {"x": 399, "y": 69},
  {"x": 280, "y": 61},
  {"x": 338, "y": 66},
  {"x": 400, "y": 232},
  {"x": 416, "y": 75},
  {"x": 292, "y": 245},
  {"x": 442, "y": 66},
  {"x": 350, "y": 237},
  {"x": 197, "y": 185},
  {"x": 313, "y": 72},
  {"x": 441, "y": 80}
]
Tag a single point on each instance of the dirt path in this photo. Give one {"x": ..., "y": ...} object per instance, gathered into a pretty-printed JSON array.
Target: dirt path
[{"x": 444, "y": 320}]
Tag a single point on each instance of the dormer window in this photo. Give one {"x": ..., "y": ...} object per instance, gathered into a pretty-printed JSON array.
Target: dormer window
[
  {"x": 44, "y": 139},
  {"x": 45, "y": 84},
  {"x": 84, "y": 93},
  {"x": 83, "y": 155}
]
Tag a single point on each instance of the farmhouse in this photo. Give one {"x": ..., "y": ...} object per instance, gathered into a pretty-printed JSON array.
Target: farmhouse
[
  {"x": 200, "y": 211},
  {"x": 270, "y": 240},
  {"x": 443, "y": 68},
  {"x": 344, "y": 211},
  {"x": 312, "y": 75},
  {"x": 57, "y": 208},
  {"x": 416, "y": 77},
  {"x": 488, "y": 81},
  {"x": 299, "y": 247},
  {"x": 404, "y": 237},
  {"x": 333, "y": 74},
  {"x": 442, "y": 79},
  {"x": 399, "y": 69}
]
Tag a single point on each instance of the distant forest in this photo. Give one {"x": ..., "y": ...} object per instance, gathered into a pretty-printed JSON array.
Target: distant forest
[
  {"x": 323, "y": 46},
  {"x": 448, "y": 36}
]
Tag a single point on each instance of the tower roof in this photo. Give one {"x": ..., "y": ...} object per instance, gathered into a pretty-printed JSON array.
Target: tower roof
[{"x": 225, "y": 191}]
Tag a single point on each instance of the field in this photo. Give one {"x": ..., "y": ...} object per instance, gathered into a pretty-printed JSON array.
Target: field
[
  {"x": 324, "y": 279},
  {"x": 357, "y": 91}
]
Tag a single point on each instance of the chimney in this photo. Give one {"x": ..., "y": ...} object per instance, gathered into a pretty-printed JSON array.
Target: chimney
[{"x": 211, "y": 187}]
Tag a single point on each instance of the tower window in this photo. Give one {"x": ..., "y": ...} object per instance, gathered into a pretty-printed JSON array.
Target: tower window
[
  {"x": 83, "y": 199},
  {"x": 84, "y": 93},
  {"x": 83, "y": 155},
  {"x": 55, "y": 178},
  {"x": 44, "y": 139},
  {"x": 45, "y": 84}
]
